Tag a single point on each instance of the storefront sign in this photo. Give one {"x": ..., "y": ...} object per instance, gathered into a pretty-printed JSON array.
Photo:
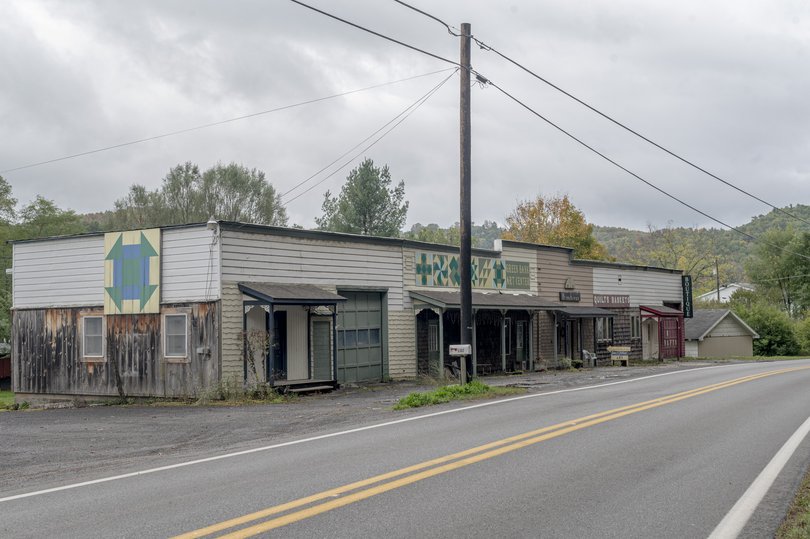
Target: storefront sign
[
  {"x": 611, "y": 300},
  {"x": 570, "y": 296},
  {"x": 517, "y": 275},
  {"x": 687, "y": 296},
  {"x": 443, "y": 270}
]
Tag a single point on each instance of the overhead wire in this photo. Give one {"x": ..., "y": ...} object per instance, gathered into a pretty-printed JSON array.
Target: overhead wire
[
  {"x": 638, "y": 177},
  {"x": 221, "y": 122},
  {"x": 383, "y": 36},
  {"x": 616, "y": 122},
  {"x": 402, "y": 116},
  {"x": 484, "y": 80}
]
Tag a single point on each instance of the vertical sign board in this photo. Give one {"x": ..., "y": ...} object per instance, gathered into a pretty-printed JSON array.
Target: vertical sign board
[
  {"x": 132, "y": 272},
  {"x": 686, "y": 280}
]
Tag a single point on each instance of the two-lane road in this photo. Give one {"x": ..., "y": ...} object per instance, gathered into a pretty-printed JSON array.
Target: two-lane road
[{"x": 663, "y": 456}]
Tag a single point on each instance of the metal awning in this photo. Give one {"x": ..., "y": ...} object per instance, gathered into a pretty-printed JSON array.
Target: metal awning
[
  {"x": 584, "y": 312},
  {"x": 290, "y": 294},
  {"x": 451, "y": 299}
]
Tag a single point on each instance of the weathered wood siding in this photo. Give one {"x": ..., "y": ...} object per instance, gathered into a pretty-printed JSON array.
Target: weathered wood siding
[
  {"x": 69, "y": 272},
  {"x": 46, "y": 352},
  {"x": 645, "y": 286}
]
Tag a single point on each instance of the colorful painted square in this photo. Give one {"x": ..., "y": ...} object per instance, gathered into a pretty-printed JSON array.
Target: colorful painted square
[
  {"x": 424, "y": 269},
  {"x": 132, "y": 272}
]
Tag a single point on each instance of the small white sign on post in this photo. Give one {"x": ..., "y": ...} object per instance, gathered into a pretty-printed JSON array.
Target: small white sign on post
[{"x": 460, "y": 350}]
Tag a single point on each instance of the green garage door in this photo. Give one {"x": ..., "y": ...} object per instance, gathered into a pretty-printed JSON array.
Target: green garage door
[{"x": 360, "y": 357}]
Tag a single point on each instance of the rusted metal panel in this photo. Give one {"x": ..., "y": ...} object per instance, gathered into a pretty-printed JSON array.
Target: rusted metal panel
[{"x": 47, "y": 356}]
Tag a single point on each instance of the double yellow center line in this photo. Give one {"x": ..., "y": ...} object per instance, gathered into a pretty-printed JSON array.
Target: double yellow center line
[{"x": 309, "y": 506}]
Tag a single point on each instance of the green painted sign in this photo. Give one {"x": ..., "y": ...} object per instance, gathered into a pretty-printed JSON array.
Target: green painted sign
[{"x": 441, "y": 270}]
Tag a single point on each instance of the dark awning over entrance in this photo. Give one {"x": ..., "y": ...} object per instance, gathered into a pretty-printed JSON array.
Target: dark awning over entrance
[
  {"x": 290, "y": 294},
  {"x": 584, "y": 312},
  {"x": 452, "y": 300}
]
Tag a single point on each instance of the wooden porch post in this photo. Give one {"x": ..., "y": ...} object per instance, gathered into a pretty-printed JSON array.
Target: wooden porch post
[{"x": 503, "y": 340}]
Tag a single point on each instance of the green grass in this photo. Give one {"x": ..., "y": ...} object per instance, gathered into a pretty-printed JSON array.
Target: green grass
[
  {"x": 473, "y": 390},
  {"x": 797, "y": 521},
  {"x": 6, "y": 400}
]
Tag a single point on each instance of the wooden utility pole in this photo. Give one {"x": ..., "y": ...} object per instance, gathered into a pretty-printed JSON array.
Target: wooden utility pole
[
  {"x": 717, "y": 274},
  {"x": 465, "y": 254}
]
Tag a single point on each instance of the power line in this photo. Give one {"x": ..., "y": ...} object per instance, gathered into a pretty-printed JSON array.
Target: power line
[
  {"x": 221, "y": 122},
  {"x": 410, "y": 110},
  {"x": 413, "y": 105},
  {"x": 428, "y": 15},
  {"x": 363, "y": 28},
  {"x": 628, "y": 171},
  {"x": 489, "y": 48}
]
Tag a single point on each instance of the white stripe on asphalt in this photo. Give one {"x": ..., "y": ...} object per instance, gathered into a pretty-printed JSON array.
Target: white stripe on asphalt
[
  {"x": 733, "y": 523},
  {"x": 342, "y": 433}
]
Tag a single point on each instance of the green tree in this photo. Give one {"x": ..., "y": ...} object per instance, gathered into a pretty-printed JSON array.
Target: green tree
[
  {"x": 780, "y": 268},
  {"x": 366, "y": 204},
  {"x": 554, "y": 221},
  {"x": 42, "y": 218},
  {"x": 803, "y": 335},
  {"x": 230, "y": 192},
  {"x": 776, "y": 334}
]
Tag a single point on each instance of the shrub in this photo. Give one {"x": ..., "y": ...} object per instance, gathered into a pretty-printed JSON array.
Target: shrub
[{"x": 776, "y": 334}]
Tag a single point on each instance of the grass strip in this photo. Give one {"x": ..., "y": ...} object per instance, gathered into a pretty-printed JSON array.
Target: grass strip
[
  {"x": 797, "y": 522},
  {"x": 473, "y": 390}
]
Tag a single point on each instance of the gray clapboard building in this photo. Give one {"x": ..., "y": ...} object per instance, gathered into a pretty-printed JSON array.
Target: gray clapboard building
[{"x": 176, "y": 311}]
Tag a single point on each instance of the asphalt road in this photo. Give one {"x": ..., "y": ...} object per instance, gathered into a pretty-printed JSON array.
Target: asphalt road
[{"x": 664, "y": 456}]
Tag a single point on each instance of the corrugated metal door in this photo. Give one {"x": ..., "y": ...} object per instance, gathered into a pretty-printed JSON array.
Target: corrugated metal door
[
  {"x": 360, "y": 337},
  {"x": 321, "y": 356}
]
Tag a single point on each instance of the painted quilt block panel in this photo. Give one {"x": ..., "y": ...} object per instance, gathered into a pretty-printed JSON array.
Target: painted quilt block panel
[{"x": 132, "y": 272}]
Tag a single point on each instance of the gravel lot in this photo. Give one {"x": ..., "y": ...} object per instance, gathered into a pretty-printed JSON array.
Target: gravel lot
[{"x": 43, "y": 448}]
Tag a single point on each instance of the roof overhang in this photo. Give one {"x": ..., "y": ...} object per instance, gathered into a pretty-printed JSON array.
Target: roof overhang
[
  {"x": 584, "y": 312},
  {"x": 451, "y": 299},
  {"x": 290, "y": 294},
  {"x": 659, "y": 310}
]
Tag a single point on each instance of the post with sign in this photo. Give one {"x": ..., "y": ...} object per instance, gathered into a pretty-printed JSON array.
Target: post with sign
[{"x": 461, "y": 351}]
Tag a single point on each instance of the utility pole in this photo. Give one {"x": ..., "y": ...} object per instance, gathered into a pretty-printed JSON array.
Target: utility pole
[
  {"x": 465, "y": 252},
  {"x": 717, "y": 274}
]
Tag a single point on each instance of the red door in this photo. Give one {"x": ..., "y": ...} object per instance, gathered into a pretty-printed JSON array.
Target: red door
[{"x": 669, "y": 337}]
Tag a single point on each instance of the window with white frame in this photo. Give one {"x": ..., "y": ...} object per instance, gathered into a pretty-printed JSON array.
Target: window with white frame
[
  {"x": 604, "y": 329},
  {"x": 175, "y": 332},
  {"x": 635, "y": 327},
  {"x": 93, "y": 337}
]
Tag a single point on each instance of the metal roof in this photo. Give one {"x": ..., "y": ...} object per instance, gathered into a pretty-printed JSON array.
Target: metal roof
[
  {"x": 584, "y": 312},
  {"x": 290, "y": 294},
  {"x": 451, "y": 299},
  {"x": 660, "y": 310}
]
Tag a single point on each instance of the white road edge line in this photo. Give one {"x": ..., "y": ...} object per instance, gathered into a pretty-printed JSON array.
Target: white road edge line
[
  {"x": 342, "y": 433},
  {"x": 736, "y": 519}
]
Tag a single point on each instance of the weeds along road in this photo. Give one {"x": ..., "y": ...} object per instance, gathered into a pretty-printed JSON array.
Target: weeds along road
[{"x": 662, "y": 456}]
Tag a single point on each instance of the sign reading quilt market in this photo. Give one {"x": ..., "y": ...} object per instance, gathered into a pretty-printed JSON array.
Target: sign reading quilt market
[
  {"x": 611, "y": 300},
  {"x": 132, "y": 272},
  {"x": 433, "y": 269}
]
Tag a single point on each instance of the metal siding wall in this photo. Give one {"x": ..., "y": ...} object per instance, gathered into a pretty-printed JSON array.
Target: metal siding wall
[
  {"x": 554, "y": 268},
  {"x": 270, "y": 258},
  {"x": 644, "y": 287},
  {"x": 65, "y": 272},
  {"x": 189, "y": 265}
]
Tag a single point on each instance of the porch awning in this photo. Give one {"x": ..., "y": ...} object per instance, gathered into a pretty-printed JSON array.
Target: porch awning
[
  {"x": 660, "y": 310},
  {"x": 290, "y": 294},
  {"x": 451, "y": 299},
  {"x": 584, "y": 312}
]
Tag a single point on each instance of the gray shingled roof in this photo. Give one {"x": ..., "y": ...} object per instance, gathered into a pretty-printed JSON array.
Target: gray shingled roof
[
  {"x": 452, "y": 299},
  {"x": 704, "y": 320},
  {"x": 283, "y": 293}
]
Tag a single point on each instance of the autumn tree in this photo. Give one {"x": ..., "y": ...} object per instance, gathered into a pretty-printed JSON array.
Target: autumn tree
[
  {"x": 554, "y": 221},
  {"x": 366, "y": 204}
]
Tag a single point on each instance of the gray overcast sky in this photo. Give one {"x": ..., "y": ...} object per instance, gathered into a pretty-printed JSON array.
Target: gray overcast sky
[{"x": 723, "y": 83}]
